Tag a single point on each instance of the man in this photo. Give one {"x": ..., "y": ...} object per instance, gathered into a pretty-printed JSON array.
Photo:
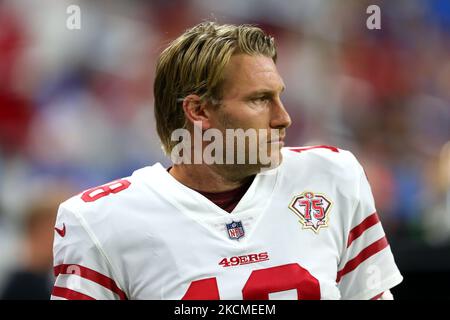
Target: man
[
  {"x": 30, "y": 277},
  {"x": 300, "y": 226}
]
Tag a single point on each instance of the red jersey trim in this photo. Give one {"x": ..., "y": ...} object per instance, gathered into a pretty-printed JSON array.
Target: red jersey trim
[
  {"x": 92, "y": 275},
  {"x": 70, "y": 294}
]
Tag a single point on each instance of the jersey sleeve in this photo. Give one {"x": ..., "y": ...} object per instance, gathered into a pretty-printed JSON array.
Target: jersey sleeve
[
  {"x": 367, "y": 267},
  {"x": 81, "y": 267}
]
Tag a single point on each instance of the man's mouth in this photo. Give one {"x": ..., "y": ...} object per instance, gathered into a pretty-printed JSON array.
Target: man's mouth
[{"x": 279, "y": 140}]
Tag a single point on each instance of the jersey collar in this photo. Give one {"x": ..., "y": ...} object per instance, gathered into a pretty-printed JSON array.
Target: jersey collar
[{"x": 189, "y": 200}]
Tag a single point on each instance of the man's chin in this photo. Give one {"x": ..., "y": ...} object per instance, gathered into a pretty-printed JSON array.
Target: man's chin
[{"x": 275, "y": 161}]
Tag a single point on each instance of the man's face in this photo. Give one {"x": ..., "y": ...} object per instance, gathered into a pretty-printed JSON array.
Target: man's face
[{"x": 251, "y": 100}]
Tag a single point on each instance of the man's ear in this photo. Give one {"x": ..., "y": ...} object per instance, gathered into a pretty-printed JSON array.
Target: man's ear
[{"x": 196, "y": 110}]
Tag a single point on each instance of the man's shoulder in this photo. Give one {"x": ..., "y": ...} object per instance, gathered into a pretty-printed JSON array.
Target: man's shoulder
[
  {"x": 322, "y": 159},
  {"x": 109, "y": 213},
  {"x": 117, "y": 195},
  {"x": 321, "y": 155}
]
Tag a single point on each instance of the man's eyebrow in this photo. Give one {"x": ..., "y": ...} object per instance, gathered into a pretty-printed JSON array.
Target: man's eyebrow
[{"x": 265, "y": 92}]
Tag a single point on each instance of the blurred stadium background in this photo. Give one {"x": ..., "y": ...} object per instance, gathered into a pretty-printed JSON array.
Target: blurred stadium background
[{"x": 76, "y": 112}]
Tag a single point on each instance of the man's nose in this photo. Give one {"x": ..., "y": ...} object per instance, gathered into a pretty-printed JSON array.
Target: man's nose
[{"x": 280, "y": 117}]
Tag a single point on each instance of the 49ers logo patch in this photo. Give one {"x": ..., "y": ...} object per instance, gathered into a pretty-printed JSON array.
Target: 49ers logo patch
[{"x": 313, "y": 209}]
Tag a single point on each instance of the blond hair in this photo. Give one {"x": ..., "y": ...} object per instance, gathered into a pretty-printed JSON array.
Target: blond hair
[{"x": 194, "y": 63}]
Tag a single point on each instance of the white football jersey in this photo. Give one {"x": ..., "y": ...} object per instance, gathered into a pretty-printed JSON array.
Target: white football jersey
[{"x": 305, "y": 230}]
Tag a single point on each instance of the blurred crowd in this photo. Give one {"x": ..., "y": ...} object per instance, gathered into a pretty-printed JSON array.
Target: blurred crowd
[{"x": 76, "y": 105}]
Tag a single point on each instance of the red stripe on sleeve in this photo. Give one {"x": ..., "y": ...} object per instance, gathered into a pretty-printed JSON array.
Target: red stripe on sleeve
[
  {"x": 378, "y": 296},
  {"x": 70, "y": 294},
  {"x": 366, "y": 253},
  {"x": 363, "y": 226},
  {"x": 92, "y": 275}
]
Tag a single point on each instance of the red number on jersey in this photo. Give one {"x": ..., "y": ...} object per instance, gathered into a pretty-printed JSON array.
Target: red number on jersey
[
  {"x": 261, "y": 283},
  {"x": 317, "y": 205},
  {"x": 301, "y": 149},
  {"x": 224, "y": 262},
  {"x": 281, "y": 278},
  {"x": 205, "y": 289},
  {"x": 307, "y": 204},
  {"x": 102, "y": 191}
]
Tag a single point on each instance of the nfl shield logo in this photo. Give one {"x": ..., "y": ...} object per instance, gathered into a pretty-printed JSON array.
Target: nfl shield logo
[{"x": 235, "y": 230}]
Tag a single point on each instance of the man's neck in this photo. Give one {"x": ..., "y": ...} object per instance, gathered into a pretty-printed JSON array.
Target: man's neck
[{"x": 210, "y": 178}]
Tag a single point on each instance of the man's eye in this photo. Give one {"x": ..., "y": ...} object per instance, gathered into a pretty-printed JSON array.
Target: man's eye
[{"x": 261, "y": 99}]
